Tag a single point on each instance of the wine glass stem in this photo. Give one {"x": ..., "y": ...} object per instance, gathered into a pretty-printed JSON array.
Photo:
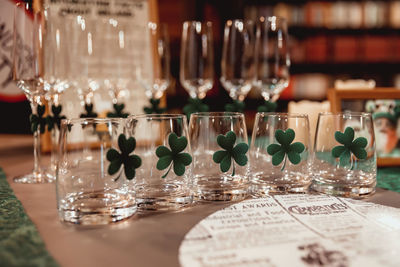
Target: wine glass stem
[{"x": 36, "y": 145}]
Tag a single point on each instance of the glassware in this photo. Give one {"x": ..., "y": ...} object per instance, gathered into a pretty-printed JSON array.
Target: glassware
[
  {"x": 238, "y": 62},
  {"x": 28, "y": 73},
  {"x": 280, "y": 153},
  {"x": 272, "y": 57},
  {"x": 164, "y": 180},
  {"x": 219, "y": 176},
  {"x": 84, "y": 45},
  {"x": 197, "y": 58},
  {"x": 345, "y": 156},
  {"x": 156, "y": 82},
  {"x": 86, "y": 191},
  {"x": 116, "y": 46},
  {"x": 57, "y": 64}
]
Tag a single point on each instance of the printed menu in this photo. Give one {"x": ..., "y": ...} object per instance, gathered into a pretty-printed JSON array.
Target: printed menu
[{"x": 296, "y": 230}]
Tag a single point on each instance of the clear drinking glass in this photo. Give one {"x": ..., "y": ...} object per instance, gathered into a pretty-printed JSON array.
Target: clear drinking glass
[
  {"x": 57, "y": 64},
  {"x": 280, "y": 154},
  {"x": 84, "y": 44},
  {"x": 164, "y": 180},
  {"x": 86, "y": 191},
  {"x": 238, "y": 62},
  {"x": 272, "y": 57},
  {"x": 219, "y": 176},
  {"x": 156, "y": 82},
  {"x": 28, "y": 73},
  {"x": 345, "y": 156},
  {"x": 116, "y": 46},
  {"x": 197, "y": 58}
]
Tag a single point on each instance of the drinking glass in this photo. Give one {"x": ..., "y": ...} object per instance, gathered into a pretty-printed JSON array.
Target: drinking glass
[
  {"x": 197, "y": 58},
  {"x": 155, "y": 83},
  {"x": 345, "y": 156},
  {"x": 220, "y": 164},
  {"x": 91, "y": 188},
  {"x": 28, "y": 73},
  {"x": 57, "y": 64},
  {"x": 163, "y": 182},
  {"x": 272, "y": 57},
  {"x": 116, "y": 46},
  {"x": 84, "y": 45},
  {"x": 238, "y": 62},
  {"x": 280, "y": 153}
]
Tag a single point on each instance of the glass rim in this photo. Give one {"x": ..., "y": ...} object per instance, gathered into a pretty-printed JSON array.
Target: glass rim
[
  {"x": 346, "y": 114},
  {"x": 193, "y": 22},
  {"x": 157, "y": 116},
  {"x": 90, "y": 120},
  {"x": 282, "y": 114},
  {"x": 217, "y": 114}
]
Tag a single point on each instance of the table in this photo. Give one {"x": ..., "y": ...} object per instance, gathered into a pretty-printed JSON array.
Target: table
[{"x": 144, "y": 240}]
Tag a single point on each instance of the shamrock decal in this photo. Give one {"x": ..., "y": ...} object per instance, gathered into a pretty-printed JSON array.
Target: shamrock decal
[
  {"x": 118, "y": 112},
  {"x": 357, "y": 147},
  {"x": 267, "y": 107},
  {"x": 155, "y": 107},
  {"x": 89, "y": 112},
  {"x": 286, "y": 149},
  {"x": 236, "y": 106},
  {"x": 195, "y": 105},
  {"x": 130, "y": 162},
  {"x": 37, "y": 121},
  {"x": 56, "y": 118},
  {"x": 224, "y": 157},
  {"x": 175, "y": 156}
]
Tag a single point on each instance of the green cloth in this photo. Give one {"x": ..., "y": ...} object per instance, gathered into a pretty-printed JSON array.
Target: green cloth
[
  {"x": 20, "y": 242},
  {"x": 389, "y": 178}
]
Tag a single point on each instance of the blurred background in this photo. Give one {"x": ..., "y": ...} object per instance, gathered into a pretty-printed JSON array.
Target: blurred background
[{"x": 329, "y": 40}]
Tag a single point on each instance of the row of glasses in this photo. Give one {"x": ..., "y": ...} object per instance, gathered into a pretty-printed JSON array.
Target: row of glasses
[
  {"x": 253, "y": 54},
  {"x": 110, "y": 168}
]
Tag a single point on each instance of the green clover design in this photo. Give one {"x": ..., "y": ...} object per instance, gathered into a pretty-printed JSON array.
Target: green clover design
[
  {"x": 286, "y": 149},
  {"x": 195, "y": 105},
  {"x": 174, "y": 157},
  {"x": 116, "y": 159},
  {"x": 118, "y": 112},
  {"x": 267, "y": 107},
  {"x": 55, "y": 120},
  {"x": 154, "y": 107},
  {"x": 350, "y": 146},
  {"x": 236, "y": 106},
  {"x": 89, "y": 112},
  {"x": 38, "y": 121},
  {"x": 224, "y": 157}
]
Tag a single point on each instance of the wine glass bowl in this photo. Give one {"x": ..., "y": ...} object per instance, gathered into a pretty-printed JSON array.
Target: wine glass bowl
[
  {"x": 272, "y": 57},
  {"x": 197, "y": 58},
  {"x": 238, "y": 64}
]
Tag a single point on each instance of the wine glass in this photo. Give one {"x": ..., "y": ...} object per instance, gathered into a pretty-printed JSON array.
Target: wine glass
[
  {"x": 56, "y": 62},
  {"x": 238, "y": 62},
  {"x": 84, "y": 47},
  {"x": 116, "y": 58},
  {"x": 196, "y": 63},
  {"x": 272, "y": 57},
  {"x": 157, "y": 81},
  {"x": 28, "y": 69}
]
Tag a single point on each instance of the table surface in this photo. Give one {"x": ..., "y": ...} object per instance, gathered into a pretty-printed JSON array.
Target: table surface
[{"x": 144, "y": 240}]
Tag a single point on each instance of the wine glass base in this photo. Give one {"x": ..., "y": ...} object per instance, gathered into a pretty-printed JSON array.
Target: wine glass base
[{"x": 34, "y": 178}]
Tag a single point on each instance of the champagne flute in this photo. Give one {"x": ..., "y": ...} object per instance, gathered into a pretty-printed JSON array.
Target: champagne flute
[
  {"x": 84, "y": 48},
  {"x": 56, "y": 62},
  {"x": 272, "y": 57},
  {"x": 116, "y": 63},
  {"x": 197, "y": 62},
  {"x": 157, "y": 81},
  {"x": 238, "y": 62},
  {"x": 28, "y": 68}
]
